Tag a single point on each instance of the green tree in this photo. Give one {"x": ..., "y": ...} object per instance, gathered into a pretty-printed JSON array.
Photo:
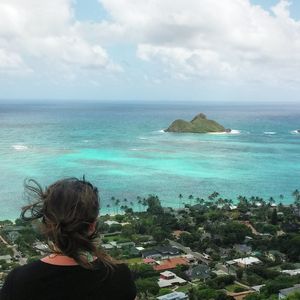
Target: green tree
[
  {"x": 295, "y": 296},
  {"x": 149, "y": 285},
  {"x": 274, "y": 218},
  {"x": 239, "y": 274},
  {"x": 233, "y": 232},
  {"x": 154, "y": 205}
]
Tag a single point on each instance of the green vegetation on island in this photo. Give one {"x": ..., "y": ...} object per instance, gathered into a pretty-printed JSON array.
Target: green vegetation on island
[{"x": 199, "y": 124}]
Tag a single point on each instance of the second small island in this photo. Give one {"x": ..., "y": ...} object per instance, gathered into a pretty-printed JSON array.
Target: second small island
[{"x": 199, "y": 124}]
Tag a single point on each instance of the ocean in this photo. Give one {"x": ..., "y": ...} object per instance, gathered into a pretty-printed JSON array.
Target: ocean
[{"x": 123, "y": 150}]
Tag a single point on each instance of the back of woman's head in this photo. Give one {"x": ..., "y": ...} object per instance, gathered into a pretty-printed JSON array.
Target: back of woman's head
[{"x": 68, "y": 209}]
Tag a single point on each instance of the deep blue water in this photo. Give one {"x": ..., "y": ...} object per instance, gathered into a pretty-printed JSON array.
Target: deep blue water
[{"x": 120, "y": 147}]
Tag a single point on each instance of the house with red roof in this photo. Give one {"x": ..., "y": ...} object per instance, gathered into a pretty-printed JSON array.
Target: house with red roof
[{"x": 171, "y": 263}]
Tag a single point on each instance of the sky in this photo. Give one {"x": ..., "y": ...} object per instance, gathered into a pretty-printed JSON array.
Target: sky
[{"x": 150, "y": 50}]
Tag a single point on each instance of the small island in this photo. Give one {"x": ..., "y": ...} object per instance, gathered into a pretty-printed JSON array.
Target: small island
[{"x": 199, "y": 124}]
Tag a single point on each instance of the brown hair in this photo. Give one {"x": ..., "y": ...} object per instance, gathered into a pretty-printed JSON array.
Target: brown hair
[{"x": 67, "y": 208}]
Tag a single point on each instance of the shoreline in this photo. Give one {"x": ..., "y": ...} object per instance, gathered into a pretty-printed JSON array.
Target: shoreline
[{"x": 104, "y": 211}]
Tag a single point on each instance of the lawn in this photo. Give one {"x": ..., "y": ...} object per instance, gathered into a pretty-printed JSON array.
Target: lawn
[
  {"x": 136, "y": 260},
  {"x": 184, "y": 288},
  {"x": 232, "y": 288},
  {"x": 115, "y": 238}
]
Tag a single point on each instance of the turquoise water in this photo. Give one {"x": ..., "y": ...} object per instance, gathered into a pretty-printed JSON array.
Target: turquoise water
[{"x": 121, "y": 148}]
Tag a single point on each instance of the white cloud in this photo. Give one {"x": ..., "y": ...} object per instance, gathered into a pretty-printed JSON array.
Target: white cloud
[
  {"x": 228, "y": 39},
  {"x": 44, "y": 35},
  {"x": 11, "y": 62}
]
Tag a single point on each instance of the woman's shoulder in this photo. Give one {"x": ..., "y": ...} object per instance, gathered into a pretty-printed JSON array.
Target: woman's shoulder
[
  {"x": 120, "y": 282},
  {"x": 115, "y": 280},
  {"x": 18, "y": 275},
  {"x": 115, "y": 272},
  {"x": 31, "y": 267}
]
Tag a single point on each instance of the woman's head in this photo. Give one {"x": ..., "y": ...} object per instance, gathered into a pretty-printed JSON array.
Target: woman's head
[{"x": 68, "y": 209}]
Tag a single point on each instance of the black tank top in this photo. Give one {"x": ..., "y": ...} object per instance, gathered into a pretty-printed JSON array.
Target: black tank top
[{"x": 39, "y": 280}]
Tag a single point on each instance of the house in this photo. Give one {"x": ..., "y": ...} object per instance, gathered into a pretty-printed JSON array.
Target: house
[
  {"x": 12, "y": 236},
  {"x": 41, "y": 247},
  {"x": 286, "y": 292},
  {"x": 242, "y": 249},
  {"x": 149, "y": 261},
  {"x": 109, "y": 223},
  {"x": 190, "y": 258},
  {"x": 274, "y": 255},
  {"x": 207, "y": 256},
  {"x": 224, "y": 252},
  {"x": 290, "y": 227},
  {"x": 225, "y": 269},
  {"x": 174, "y": 296},
  {"x": 291, "y": 272},
  {"x": 7, "y": 258},
  {"x": 125, "y": 245},
  {"x": 244, "y": 262},
  {"x": 296, "y": 211},
  {"x": 257, "y": 288},
  {"x": 199, "y": 272},
  {"x": 140, "y": 249},
  {"x": 107, "y": 247},
  {"x": 168, "y": 251},
  {"x": 161, "y": 252},
  {"x": 220, "y": 272},
  {"x": 177, "y": 233},
  {"x": 152, "y": 253},
  {"x": 170, "y": 263},
  {"x": 239, "y": 295},
  {"x": 168, "y": 279},
  {"x": 248, "y": 239}
]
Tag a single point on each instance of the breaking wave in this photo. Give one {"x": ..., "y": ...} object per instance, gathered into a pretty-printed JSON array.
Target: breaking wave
[{"x": 20, "y": 147}]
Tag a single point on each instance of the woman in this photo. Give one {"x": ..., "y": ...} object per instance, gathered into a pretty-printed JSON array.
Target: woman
[{"x": 75, "y": 268}]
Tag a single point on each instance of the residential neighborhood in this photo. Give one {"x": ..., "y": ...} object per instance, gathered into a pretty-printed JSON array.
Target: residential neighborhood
[{"x": 203, "y": 251}]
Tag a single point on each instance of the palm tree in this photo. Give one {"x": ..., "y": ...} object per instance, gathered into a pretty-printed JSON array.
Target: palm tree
[
  {"x": 145, "y": 203},
  {"x": 200, "y": 201},
  {"x": 108, "y": 208},
  {"x": 117, "y": 202},
  {"x": 180, "y": 200},
  {"x": 271, "y": 201},
  {"x": 296, "y": 193},
  {"x": 220, "y": 202}
]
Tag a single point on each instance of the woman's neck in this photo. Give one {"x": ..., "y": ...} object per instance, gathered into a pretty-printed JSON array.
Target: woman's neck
[{"x": 59, "y": 260}]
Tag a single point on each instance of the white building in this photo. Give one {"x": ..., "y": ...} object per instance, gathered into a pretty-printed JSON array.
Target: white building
[
  {"x": 168, "y": 278},
  {"x": 109, "y": 223},
  {"x": 291, "y": 272},
  {"x": 244, "y": 262},
  {"x": 6, "y": 258},
  {"x": 173, "y": 296}
]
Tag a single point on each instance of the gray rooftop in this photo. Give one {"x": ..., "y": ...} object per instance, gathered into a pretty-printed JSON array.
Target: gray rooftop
[{"x": 286, "y": 292}]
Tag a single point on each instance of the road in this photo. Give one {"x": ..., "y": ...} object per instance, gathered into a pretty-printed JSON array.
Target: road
[
  {"x": 3, "y": 240},
  {"x": 17, "y": 254},
  {"x": 188, "y": 250}
]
